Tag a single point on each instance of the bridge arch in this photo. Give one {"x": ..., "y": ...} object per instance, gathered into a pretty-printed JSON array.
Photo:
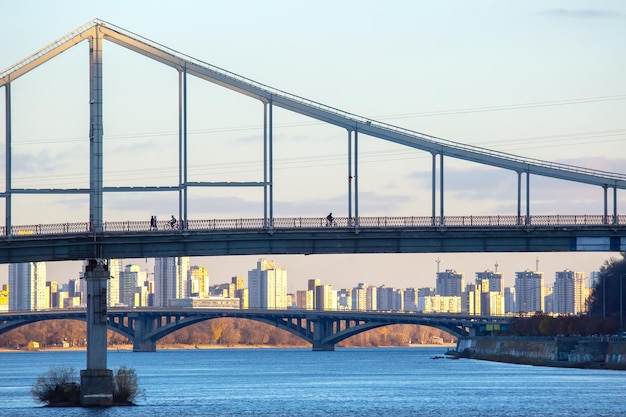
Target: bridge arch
[
  {"x": 169, "y": 328},
  {"x": 322, "y": 329},
  {"x": 7, "y": 326},
  {"x": 362, "y": 328}
]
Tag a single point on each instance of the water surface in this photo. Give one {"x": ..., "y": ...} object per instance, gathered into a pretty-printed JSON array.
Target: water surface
[{"x": 393, "y": 382}]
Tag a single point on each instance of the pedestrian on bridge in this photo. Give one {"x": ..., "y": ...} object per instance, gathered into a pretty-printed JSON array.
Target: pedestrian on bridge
[{"x": 153, "y": 223}]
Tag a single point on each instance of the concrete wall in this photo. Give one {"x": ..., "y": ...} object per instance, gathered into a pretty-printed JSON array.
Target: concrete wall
[{"x": 600, "y": 352}]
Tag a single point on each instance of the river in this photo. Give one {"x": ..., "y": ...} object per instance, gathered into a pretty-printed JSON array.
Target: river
[{"x": 362, "y": 382}]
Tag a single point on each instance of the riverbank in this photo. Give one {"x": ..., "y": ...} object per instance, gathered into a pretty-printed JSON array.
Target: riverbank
[{"x": 564, "y": 352}]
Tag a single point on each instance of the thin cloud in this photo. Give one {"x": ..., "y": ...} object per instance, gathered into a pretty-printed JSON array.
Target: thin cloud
[
  {"x": 583, "y": 13},
  {"x": 38, "y": 162}
]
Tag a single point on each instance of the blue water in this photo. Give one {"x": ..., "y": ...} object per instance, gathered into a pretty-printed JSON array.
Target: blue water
[{"x": 393, "y": 382}]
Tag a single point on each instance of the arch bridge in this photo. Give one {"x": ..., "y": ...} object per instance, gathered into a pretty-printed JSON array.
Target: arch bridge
[{"x": 322, "y": 329}]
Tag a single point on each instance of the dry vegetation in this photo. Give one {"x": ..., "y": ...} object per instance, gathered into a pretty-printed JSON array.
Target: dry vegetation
[{"x": 223, "y": 331}]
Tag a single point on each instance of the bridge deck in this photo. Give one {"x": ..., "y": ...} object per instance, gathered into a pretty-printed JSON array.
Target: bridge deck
[{"x": 301, "y": 236}]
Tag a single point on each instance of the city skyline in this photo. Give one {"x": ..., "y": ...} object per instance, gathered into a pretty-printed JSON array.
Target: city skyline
[
  {"x": 478, "y": 82},
  {"x": 298, "y": 277},
  {"x": 177, "y": 283}
]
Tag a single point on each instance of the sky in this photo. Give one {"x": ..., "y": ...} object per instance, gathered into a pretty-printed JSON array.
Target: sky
[{"x": 538, "y": 79}]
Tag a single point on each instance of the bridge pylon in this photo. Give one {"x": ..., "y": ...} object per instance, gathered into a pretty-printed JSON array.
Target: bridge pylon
[{"x": 96, "y": 382}]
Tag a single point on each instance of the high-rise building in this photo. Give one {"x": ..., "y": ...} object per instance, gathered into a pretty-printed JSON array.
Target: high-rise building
[
  {"x": 569, "y": 292},
  {"x": 594, "y": 278},
  {"x": 199, "y": 281},
  {"x": 170, "y": 279},
  {"x": 344, "y": 299},
  {"x": 311, "y": 285},
  {"x": 390, "y": 299},
  {"x": 325, "y": 297},
  {"x": 359, "y": 297},
  {"x": 113, "y": 284},
  {"x": 132, "y": 281},
  {"x": 74, "y": 290},
  {"x": 4, "y": 298},
  {"x": 239, "y": 282},
  {"x": 410, "y": 299},
  {"x": 422, "y": 293},
  {"x": 52, "y": 294},
  {"x": 449, "y": 283},
  {"x": 371, "y": 299},
  {"x": 494, "y": 278},
  {"x": 241, "y": 291},
  {"x": 304, "y": 299},
  {"x": 548, "y": 300},
  {"x": 143, "y": 291},
  {"x": 529, "y": 291},
  {"x": 486, "y": 297},
  {"x": 267, "y": 285},
  {"x": 471, "y": 299},
  {"x": 509, "y": 300},
  {"x": 27, "y": 286}
]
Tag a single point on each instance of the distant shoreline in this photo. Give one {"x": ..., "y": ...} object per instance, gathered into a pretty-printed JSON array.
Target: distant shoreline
[{"x": 129, "y": 347}]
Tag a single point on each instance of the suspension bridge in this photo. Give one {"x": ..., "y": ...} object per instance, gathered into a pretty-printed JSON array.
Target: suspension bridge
[
  {"x": 267, "y": 234},
  {"x": 99, "y": 239}
]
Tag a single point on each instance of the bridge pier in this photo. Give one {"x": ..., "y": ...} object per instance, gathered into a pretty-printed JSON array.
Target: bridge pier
[
  {"x": 142, "y": 326},
  {"x": 96, "y": 382},
  {"x": 322, "y": 329},
  {"x": 323, "y": 347}
]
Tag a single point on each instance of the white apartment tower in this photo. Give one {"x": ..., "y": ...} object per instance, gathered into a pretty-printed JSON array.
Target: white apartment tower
[
  {"x": 27, "y": 286},
  {"x": 170, "y": 279},
  {"x": 113, "y": 284},
  {"x": 359, "y": 297},
  {"x": 267, "y": 286},
  {"x": 371, "y": 301},
  {"x": 529, "y": 291},
  {"x": 569, "y": 292},
  {"x": 132, "y": 278}
]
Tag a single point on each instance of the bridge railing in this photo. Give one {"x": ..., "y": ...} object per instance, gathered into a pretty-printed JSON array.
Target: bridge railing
[
  {"x": 321, "y": 222},
  {"x": 558, "y": 220},
  {"x": 49, "y": 229}
]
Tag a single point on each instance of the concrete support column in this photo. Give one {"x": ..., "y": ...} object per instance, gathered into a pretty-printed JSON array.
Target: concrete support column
[
  {"x": 96, "y": 382},
  {"x": 322, "y": 330},
  {"x": 95, "y": 132},
  {"x": 142, "y": 325},
  {"x": 7, "y": 158}
]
